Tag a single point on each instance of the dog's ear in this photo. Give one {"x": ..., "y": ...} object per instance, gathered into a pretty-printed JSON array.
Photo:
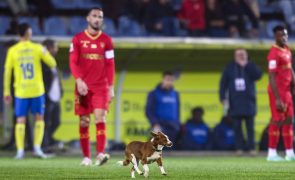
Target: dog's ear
[{"x": 154, "y": 134}]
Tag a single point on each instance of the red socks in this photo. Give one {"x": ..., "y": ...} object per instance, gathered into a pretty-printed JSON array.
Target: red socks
[
  {"x": 84, "y": 141},
  {"x": 287, "y": 132},
  {"x": 100, "y": 137},
  {"x": 273, "y": 136}
]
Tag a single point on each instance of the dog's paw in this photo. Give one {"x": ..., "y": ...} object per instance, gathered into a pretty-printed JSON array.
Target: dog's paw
[
  {"x": 140, "y": 173},
  {"x": 146, "y": 175},
  {"x": 164, "y": 174},
  {"x": 120, "y": 163}
]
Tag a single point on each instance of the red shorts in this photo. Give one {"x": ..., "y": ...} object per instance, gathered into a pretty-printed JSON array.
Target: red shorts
[
  {"x": 287, "y": 100},
  {"x": 98, "y": 99}
]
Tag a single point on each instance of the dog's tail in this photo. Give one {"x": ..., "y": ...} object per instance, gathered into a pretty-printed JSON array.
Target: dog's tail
[{"x": 123, "y": 163}]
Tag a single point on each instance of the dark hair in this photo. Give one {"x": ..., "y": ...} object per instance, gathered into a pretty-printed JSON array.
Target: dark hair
[
  {"x": 278, "y": 28},
  {"x": 94, "y": 8},
  {"x": 168, "y": 73},
  {"x": 48, "y": 43},
  {"x": 198, "y": 109},
  {"x": 23, "y": 28}
]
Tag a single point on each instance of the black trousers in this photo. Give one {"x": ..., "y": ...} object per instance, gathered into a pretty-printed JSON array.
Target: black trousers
[
  {"x": 52, "y": 122},
  {"x": 241, "y": 143}
]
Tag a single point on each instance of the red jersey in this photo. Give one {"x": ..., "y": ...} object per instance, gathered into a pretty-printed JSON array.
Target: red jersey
[
  {"x": 92, "y": 59},
  {"x": 279, "y": 62},
  {"x": 194, "y": 13}
]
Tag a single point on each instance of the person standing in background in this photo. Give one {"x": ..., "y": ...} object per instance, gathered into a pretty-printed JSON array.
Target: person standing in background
[
  {"x": 163, "y": 108},
  {"x": 238, "y": 81},
  {"x": 53, "y": 95}
]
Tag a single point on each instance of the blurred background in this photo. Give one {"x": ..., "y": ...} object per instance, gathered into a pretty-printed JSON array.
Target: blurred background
[{"x": 194, "y": 39}]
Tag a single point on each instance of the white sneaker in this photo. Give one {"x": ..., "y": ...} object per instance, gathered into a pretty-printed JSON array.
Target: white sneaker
[
  {"x": 19, "y": 155},
  {"x": 290, "y": 158},
  {"x": 276, "y": 158},
  {"x": 40, "y": 154},
  {"x": 101, "y": 159},
  {"x": 86, "y": 162}
]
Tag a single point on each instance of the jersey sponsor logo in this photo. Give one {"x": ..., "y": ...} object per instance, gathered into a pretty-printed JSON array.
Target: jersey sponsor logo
[
  {"x": 168, "y": 99},
  {"x": 92, "y": 56},
  {"x": 93, "y": 46},
  {"x": 25, "y": 58},
  {"x": 85, "y": 44},
  {"x": 272, "y": 64},
  {"x": 109, "y": 54},
  {"x": 26, "y": 50},
  {"x": 71, "y": 47}
]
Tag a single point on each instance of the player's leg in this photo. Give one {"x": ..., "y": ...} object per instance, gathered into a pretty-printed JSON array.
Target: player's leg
[
  {"x": 100, "y": 122},
  {"x": 274, "y": 131},
  {"x": 38, "y": 109},
  {"x": 273, "y": 140},
  {"x": 287, "y": 132},
  {"x": 83, "y": 109},
  {"x": 85, "y": 139},
  {"x": 100, "y": 104},
  {"x": 21, "y": 109}
]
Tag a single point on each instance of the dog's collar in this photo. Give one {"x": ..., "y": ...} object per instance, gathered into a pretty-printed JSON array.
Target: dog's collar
[{"x": 156, "y": 149}]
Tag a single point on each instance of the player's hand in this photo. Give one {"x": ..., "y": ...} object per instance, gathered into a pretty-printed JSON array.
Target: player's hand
[
  {"x": 81, "y": 87},
  {"x": 7, "y": 99},
  {"x": 281, "y": 107},
  {"x": 156, "y": 128},
  {"x": 111, "y": 93}
]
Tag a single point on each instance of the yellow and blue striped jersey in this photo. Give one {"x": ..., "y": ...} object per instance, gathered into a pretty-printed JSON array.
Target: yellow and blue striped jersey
[{"x": 24, "y": 59}]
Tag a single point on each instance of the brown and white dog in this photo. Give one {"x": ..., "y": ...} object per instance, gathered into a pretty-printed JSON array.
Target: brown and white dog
[{"x": 146, "y": 152}]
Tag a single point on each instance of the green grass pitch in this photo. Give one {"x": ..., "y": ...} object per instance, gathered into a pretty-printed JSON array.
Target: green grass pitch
[{"x": 176, "y": 167}]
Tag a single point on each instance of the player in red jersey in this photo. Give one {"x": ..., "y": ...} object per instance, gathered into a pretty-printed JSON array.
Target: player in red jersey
[
  {"x": 281, "y": 77},
  {"x": 92, "y": 65}
]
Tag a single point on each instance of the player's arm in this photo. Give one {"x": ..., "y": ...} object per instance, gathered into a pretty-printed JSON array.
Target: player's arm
[
  {"x": 110, "y": 66},
  {"x": 272, "y": 68},
  {"x": 223, "y": 85},
  {"x": 150, "y": 112},
  {"x": 74, "y": 66},
  {"x": 7, "y": 76},
  {"x": 293, "y": 82},
  {"x": 255, "y": 73}
]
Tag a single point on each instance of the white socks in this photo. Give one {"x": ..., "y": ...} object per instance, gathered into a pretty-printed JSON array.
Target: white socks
[
  {"x": 272, "y": 152},
  {"x": 289, "y": 152}
]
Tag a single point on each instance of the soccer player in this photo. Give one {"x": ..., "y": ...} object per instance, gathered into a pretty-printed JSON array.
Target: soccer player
[
  {"x": 92, "y": 65},
  {"x": 24, "y": 58},
  {"x": 281, "y": 77}
]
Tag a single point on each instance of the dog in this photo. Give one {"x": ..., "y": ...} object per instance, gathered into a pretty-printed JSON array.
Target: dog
[{"x": 146, "y": 152}]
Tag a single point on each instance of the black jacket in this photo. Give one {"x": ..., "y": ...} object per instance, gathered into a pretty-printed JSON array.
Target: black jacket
[{"x": 242, "y": 102}]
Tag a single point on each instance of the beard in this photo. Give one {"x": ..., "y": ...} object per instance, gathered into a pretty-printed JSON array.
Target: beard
[{"x": 96, "y": 28}]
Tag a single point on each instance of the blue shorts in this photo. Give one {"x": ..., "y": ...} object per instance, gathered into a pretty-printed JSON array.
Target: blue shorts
[{"x": 23, "y": 105}]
